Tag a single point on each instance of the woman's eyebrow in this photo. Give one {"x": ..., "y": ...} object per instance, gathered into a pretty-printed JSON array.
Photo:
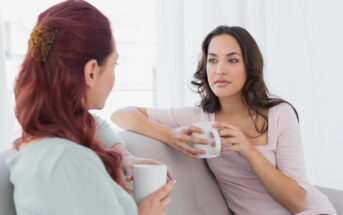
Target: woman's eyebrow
[
  {"x": 233, "y": 53},
  {"x": 229, "y": 54}
]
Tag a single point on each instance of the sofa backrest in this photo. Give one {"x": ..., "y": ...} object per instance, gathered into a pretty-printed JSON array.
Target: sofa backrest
[
  {"x": 6, "y": 188},
  {"x": 196, "y": 191}
]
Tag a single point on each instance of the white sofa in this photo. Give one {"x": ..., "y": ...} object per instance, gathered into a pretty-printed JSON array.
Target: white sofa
[{"x": 196, "y": 191}]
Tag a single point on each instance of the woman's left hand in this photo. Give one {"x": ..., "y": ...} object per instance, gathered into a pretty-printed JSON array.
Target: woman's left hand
[
  {"x": 130, "y": 160},
  {"x": 233, "y": 139}
]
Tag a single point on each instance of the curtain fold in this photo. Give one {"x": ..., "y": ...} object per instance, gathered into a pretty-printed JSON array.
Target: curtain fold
[{"x": 7, "y": 127}]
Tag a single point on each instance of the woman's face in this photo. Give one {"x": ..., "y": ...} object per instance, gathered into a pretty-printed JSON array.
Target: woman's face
[
  {"x": 225, "y": 67},
  {"x": 104, "y": 81}
]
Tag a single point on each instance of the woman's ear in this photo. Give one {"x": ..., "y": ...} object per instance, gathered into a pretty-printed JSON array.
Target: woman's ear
[{"x": 91, "y": 70}]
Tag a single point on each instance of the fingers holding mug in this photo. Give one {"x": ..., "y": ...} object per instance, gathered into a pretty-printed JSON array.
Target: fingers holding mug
[{"x": 211, "y": 134}]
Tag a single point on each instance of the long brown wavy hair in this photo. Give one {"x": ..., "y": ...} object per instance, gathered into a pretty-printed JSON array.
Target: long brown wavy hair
[
  {"x": 50, "y": 89},
  {"x": 254, "y": 93}
]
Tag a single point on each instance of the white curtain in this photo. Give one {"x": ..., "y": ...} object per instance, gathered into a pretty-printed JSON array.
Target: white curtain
[
  {"x": 7, "y": 128},
  {"x": 302, "y": 44}
]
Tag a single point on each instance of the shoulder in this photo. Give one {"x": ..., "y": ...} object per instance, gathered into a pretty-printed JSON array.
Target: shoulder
[
  {"x": 53, "y": 160},
  {"x": 282, "y": 110},
  {"x": 54, "y": 157},
  {"x": 62, "y": 172},
  {"x": 65, "y": 147},
  {"x": 70, "y": 153},
  {"x": 282, "y": 118}
]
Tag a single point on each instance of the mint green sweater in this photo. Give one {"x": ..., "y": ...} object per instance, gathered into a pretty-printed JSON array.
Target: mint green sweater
[{"x": 56, "y": 176}]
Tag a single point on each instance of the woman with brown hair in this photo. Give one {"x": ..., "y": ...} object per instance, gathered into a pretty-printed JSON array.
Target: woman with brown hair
[
  {"x": 67, "y": 161},
  {"x": 261, "y": 168}
]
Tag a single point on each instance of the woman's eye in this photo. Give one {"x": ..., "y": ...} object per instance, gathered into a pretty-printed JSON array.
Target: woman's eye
[
  {"x": 212, "y": 60},
  {"x": 233, "y": 60}
]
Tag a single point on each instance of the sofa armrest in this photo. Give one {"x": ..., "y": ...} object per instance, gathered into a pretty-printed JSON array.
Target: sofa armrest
[
  {"x": 196, "y": 191},
  {"x": 6, "y": 188},
  {"x": 335, "y": 196}
]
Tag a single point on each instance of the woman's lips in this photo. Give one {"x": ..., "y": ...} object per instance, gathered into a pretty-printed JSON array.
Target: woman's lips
[{"x": 222, "y": 83}]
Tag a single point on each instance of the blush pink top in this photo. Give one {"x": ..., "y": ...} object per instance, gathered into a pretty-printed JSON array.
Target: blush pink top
[{"x": 243, "y": 191}]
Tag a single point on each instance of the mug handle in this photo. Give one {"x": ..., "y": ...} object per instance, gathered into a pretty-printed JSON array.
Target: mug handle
[{"x": 216, "y": 140}]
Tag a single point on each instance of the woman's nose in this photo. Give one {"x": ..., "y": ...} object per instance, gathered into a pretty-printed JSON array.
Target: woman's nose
[{"x": 220, "y": 69}]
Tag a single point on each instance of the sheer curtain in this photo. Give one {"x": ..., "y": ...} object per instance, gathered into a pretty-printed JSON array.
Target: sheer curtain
[
  {"x": 301, "y": 41},
  {"x": 7, "y": 129}
]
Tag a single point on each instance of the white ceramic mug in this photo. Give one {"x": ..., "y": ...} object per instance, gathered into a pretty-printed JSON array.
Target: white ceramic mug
[
  {"x": 208, "y": 130},
  {"x": 148, "y": 178}
]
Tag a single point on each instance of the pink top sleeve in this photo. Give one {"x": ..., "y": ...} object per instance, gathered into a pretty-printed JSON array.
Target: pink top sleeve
[
  {"x": 289, "y": 152},
  {"x": 178, "y": 117}
]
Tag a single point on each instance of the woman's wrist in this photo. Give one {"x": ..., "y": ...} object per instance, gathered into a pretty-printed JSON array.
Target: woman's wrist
[
  {"x": 252, "y": 154},
  {"x": 169, "y": 135}
]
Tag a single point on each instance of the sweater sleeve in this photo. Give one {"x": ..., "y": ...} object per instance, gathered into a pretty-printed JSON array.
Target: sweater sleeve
[
  {"x": 289, "y": 151},
  {"x": 177, "y": 117},
  {"x": 106, "y": 134}
]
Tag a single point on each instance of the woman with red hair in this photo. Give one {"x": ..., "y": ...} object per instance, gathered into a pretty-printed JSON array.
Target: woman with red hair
[{"x": 66, "y": 160}]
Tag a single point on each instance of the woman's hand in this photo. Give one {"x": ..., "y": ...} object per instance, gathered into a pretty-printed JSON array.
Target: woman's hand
[
  {"x": 180, "y": 137},
  {"x": 130, "y": 160},
  {"x": 156, "y": 202},
  {"x": 233, "y": 139}
]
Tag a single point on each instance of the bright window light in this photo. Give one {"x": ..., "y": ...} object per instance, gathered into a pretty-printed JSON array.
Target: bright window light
[{"x": 133, "y": 25}]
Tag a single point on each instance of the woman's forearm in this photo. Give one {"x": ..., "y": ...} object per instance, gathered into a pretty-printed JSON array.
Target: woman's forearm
[
  {"x": 283, "y": 189},
  {"x": 136, "y": 120}
]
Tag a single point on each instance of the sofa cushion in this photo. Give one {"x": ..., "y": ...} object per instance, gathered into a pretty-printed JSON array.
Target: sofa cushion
[
  {"x": 335, "y": 196},
  {"x": 6, "y": 188},
  {"x": 196, "y": 191}
]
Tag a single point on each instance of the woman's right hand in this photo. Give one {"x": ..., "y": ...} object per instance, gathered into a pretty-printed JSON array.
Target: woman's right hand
[
  {"x": 180, "y": 137},
  {"x": 156, "y": 202}
]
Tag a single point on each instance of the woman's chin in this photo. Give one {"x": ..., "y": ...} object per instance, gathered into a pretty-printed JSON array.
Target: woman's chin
[
  {"x": 99, "y": 107},
  {"x": 222, "y": 94},
  {"x": 96, "y": 106}
]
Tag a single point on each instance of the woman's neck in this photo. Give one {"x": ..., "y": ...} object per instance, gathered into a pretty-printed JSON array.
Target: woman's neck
[{"x": 233, "y": 106}]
